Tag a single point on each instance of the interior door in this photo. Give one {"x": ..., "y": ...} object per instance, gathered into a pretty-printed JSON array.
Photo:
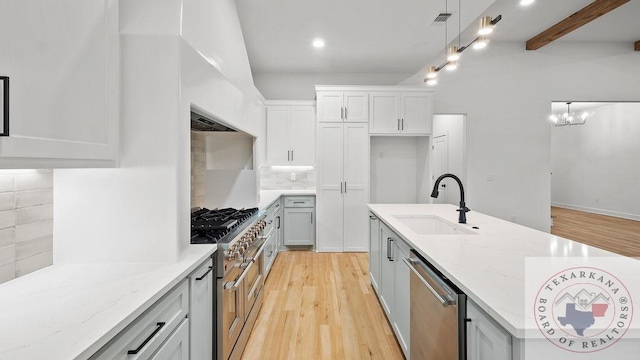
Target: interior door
[
  {"x": 356, "y": 173},
  {"x": 441, "y": 166},
  {"x": 303, "y": 135},
  {"x": 385, "y": 112},
  {"x": 330, "y": 189},
  {"x": 278, "y": 133}
]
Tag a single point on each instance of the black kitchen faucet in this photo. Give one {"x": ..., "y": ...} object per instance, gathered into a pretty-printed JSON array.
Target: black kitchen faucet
[{"x": 462, "y": 219}]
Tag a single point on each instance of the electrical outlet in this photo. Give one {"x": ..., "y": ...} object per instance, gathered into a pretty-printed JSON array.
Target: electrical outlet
[
  {"x": 597, "y": 199},
  {"x": 293, "y": 176},
  {"x": 490, "y": 177}
]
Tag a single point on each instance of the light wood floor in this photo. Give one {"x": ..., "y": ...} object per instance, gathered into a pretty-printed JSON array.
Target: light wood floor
[
  {"x": 617, "y": 235},
  {"x": 321, "y": 306}
]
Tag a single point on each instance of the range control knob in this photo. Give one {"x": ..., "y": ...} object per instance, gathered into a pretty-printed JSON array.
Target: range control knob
[{"x": 230, "y": 255}]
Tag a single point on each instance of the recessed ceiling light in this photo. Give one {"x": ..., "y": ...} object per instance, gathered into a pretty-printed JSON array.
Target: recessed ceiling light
[
  {"x": 526, "y": 2},
  {"x": 318, "y": 43}
]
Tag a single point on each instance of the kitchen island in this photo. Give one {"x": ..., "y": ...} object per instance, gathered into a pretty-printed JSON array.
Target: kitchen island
[{"x": 488, "y": 261}]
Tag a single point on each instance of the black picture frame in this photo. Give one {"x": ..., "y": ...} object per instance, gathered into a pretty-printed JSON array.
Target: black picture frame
[{"x": 4, "y": 105}]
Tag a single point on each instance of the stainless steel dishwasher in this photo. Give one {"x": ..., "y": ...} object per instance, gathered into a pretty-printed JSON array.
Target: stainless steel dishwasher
[{"x": 438, "y": 314}]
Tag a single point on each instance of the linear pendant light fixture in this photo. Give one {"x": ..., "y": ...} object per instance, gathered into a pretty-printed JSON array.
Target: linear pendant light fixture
[{"x": 452, "y": 54}]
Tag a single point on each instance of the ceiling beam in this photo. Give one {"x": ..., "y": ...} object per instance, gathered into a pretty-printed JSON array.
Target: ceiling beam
[
  {"x": 578, "y": 19},
  {"x": 637, "y": 46}
]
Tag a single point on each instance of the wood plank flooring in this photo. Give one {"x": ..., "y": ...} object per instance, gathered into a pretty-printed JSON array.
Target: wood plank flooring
[
  {"x": 617, "y": 235},
  {"x": 321, "y": 306}
]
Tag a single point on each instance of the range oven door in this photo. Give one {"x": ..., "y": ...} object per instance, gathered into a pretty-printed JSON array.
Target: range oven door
[
  {"x": 254, "y": 280},
  {"x": 232, "y": 310}
]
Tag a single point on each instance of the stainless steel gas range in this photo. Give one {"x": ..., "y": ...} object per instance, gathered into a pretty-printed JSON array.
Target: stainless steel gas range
[{"x": 239, "y": 271}]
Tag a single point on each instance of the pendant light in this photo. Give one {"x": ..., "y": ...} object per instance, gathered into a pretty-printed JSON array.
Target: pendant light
[
  {"x": 568, "y": 118},
  {"x": 453, "y": 54},
  {"x": 486, "y": 26},
  {"x": 481, "y": 42}
]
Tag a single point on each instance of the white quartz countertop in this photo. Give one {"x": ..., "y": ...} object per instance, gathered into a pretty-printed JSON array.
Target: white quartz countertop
[
  {"x": 489, "y": 266},
  {"x": 267, "y": 197},
  {"x": 70, "y": 311}
]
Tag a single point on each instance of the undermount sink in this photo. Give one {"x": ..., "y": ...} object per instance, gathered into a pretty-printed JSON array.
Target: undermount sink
[{"x": 431, "y": 225}]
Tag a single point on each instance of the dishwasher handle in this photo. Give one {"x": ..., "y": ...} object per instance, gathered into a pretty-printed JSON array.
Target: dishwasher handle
[{"x": 445, "y": 299}]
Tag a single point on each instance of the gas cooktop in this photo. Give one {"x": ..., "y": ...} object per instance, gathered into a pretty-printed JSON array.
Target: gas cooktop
[{"x": 219, "y": 226}]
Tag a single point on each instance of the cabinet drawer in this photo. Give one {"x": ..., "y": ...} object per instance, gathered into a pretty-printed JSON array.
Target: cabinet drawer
[
  {"x": 147, "y": 333},
  {"x": 300, "y": 201}
]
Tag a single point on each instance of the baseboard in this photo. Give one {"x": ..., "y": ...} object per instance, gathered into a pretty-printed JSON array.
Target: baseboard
[{"x": 598, "y": 211}]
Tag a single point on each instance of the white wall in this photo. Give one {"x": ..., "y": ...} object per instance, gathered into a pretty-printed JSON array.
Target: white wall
[
  {"x": 301, "y": 86},
  {"x": 453, "y": 125},
  {"x": 595, "y": 166},
  {"x": 506, "y": 92}
]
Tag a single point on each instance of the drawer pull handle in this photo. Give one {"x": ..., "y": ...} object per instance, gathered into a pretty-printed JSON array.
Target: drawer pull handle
[
  {"x": 298, "y": 202},
  {"x": 205, "y": 274},
  {"x": 159, "y": 326}
]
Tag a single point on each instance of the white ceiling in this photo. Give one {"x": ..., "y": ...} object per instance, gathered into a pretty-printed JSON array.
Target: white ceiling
[{"x": 385, "y": 36}]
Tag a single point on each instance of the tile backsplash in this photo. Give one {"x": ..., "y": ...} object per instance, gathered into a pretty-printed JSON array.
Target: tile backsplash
[
  {"x": 26, "y": 222},
  {"x": 279, "y": 178},
  {"x": 198, "y": 165}
]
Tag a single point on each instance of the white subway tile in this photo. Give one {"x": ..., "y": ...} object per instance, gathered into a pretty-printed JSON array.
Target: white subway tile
[
  {"x": 7, "y": 272},
  {"x": 33, "y": 230},
  {"x": 35, "y": 181},
  {"x": 7, "y": 236},
  {"x": 33, "y": 263},
  {"x": 7, "y": 201},
  {"x": 33, "y": 247},
  {"x": 7, "y": 254},
  {"x": 34, "y": 214},
  {"x": 7, "y": 218},
  {"x": 7, "y": 182},
  {"x": 33, "y": 198}
]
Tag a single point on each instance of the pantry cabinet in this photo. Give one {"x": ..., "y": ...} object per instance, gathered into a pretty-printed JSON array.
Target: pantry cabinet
[
  {"x": 343, "y": 188},
  {"x": 343, "y": 106},
  {"x": 290, "y": 133},
  {"x": 64, "y": 82},
  {"x": 400, "y": 113}
]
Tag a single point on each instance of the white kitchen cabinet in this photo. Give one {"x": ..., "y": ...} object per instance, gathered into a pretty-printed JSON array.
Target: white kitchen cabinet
[
  {"x": 290, "y": 134},
  {"x": 299, "y": 221},
  {"x": 339, "y": 106},
  {"x": 374, "y": 251},
  {"x": 343, "y": 187},
  {"x": 486, "y": 340},
  {"x": 201, "y": 286},
  {"x": 387, "y": 271},
  {"x": 402, "y": 293},
  {"x": 64, "y": 83},
  {"x": 177, "y": 345},
  {"x": 400, "y": 112},
  {"x": 279, "y": 229}
]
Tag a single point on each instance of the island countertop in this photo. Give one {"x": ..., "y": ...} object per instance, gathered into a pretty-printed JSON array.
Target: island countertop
[{"x": 489, "y": 266}]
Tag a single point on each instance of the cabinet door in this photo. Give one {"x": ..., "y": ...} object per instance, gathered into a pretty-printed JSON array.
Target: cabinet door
[
  {"x": 330, "y": 106},
  {"x": 374, "y": 252},
  {"x": 177, "y": 345},
  {"x": 356, "y": 175},
  {"x": 278, "y": 135},
  {"x": 416, "y": 113},
  {"x": 330, "y": 189},
  {"x": 356, "y": 106},
  {"x": 387, "y": 271},
  {"x": 303, "y": 135},
  {"x": 64, "y": 79},
  {"x": 485, "y": 339},
  {"x": 299, "y": 227},
  {"x": 384, "y": 113},
  {"x": 402, "y": 313},
  {"x": 201, "y": 312}
]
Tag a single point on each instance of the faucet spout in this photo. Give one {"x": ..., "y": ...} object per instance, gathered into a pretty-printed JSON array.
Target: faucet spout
[{"x": 462, "y": 218}]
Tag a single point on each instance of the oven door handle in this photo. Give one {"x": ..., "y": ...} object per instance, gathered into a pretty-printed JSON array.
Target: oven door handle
[
  {"x": 444, "y": 301},
  {"x": 259, "y": 252},
  {"x": 268, "y": 235},
  {"x": 236, "y": 284}
]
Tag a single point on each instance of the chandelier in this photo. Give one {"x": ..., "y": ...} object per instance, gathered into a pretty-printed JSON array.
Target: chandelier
[{"x": 568, "y": 118}]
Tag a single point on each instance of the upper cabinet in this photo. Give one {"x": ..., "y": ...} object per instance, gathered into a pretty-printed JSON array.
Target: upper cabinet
[
  {"x": 62, "y": 60},
  {"x": 339, "y": 106},
  {"x": 400, "y": 112},
  {"x": 290, "y": 133}
]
